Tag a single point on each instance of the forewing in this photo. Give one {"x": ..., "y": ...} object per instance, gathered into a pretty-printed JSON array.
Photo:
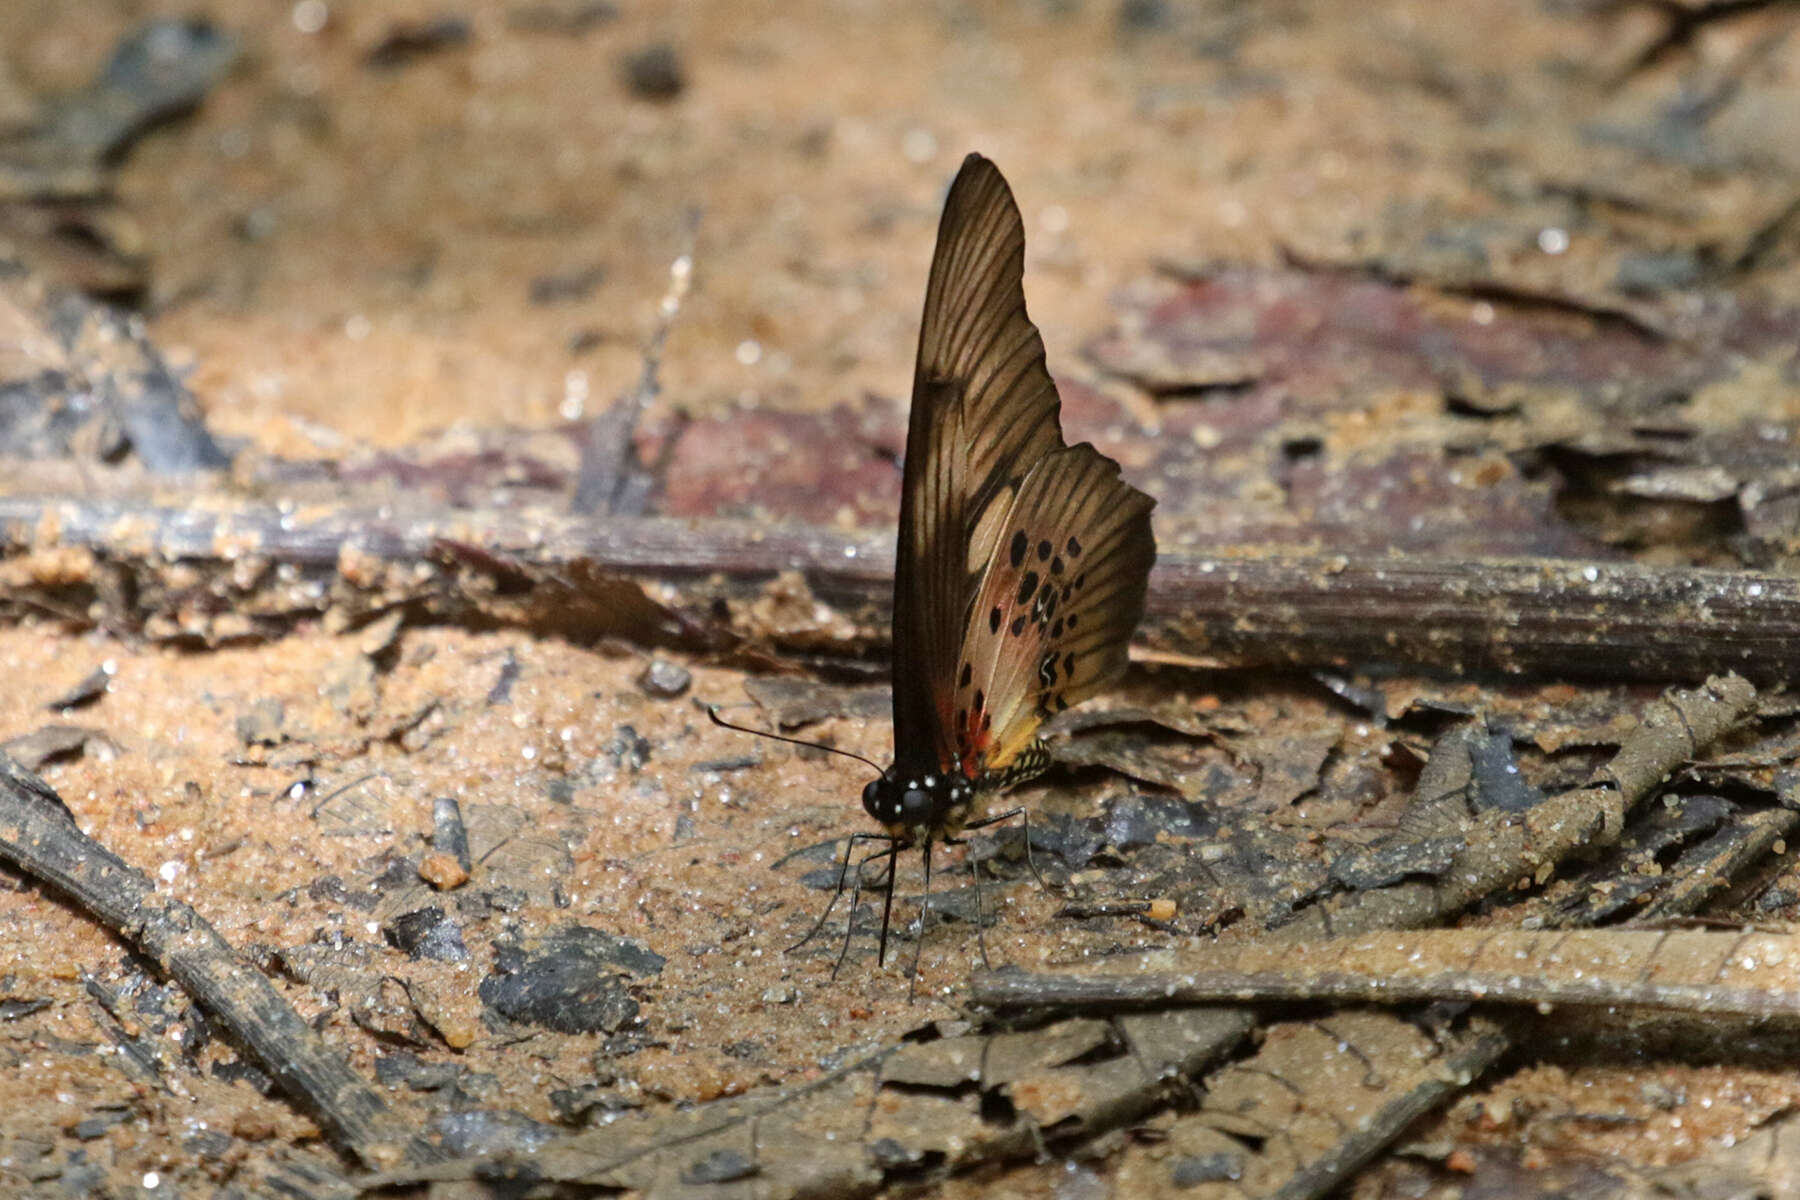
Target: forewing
[
  {"x": 984, "y": 410},
  {"x": 1058, "y": 601}
]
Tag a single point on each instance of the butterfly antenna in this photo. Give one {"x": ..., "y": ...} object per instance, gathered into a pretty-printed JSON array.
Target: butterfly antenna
[{"x": 712, "y": 710}]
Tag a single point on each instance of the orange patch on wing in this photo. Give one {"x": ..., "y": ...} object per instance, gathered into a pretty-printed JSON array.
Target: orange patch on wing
[
  {"x": 975, "y": 738},
  {"x": 973, "y": 730}
]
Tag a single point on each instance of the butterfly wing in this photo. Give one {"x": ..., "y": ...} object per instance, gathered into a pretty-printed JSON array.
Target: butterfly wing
[
  {"x": 1060, "y": 596},
  {"x": 1022, "y": 562},
  {"x": 984, "y": 410}
]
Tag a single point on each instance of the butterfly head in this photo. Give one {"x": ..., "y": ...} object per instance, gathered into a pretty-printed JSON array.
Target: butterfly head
[{"x": 908, "y": 801}]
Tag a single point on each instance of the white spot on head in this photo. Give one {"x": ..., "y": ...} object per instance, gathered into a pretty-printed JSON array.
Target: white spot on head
[{"x": 308, "y": 16}]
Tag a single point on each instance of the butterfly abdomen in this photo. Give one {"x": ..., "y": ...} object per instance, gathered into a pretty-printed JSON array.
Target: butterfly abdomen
[{"x": 1029, "y": 763}]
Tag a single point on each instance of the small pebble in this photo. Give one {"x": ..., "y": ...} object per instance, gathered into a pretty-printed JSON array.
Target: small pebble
[
  {"x": 721, "y": 1166},
  {"x": 253, "y": 1127},
  {"x": 1139, "y": 16},
  {"x": 665, "y": 680},
  {"x": 1206, "y": 1168},
  {"x": 261, "y": 725},
  {"x": 780, "y": 994},
  {"x": 655, "y": 72},
  {"x": 88, "y": 690},
  {"x": 442, "y": 871},
  {"x": 426, "y": 933}
]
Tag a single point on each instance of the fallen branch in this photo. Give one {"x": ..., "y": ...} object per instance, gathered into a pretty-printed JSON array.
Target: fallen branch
[
  {"x": 1242, "y": 607},
  {"x": 1732, "y": 974}
]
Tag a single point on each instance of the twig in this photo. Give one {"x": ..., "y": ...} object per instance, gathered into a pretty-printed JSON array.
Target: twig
[
  {"x": 1316, "y": 1134},
  {"x": 39, "y": 838},
  {"x": 1501, "y": 847},
  {"x": 1498, "y": 847},
  {"x": 610, "y": 478},
  {"x": 1736, "y": 974}
]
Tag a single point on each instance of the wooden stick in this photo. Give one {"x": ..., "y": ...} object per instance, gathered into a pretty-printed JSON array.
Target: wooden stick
[
  {"x": 40, "y": 838},
  {"x": 1512, "y": 616},
  {"x": 1697, "y": 972},
  {"x": 1238, "y": 607}
]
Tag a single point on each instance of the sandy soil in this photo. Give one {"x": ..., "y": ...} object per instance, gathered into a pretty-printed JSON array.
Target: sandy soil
[{"x": 345, "y": 256}]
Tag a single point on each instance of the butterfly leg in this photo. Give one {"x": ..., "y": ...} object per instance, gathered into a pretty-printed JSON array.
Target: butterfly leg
[
  {"x": 975, "y": 874},
  {"x": 912, "y": 980},
  {"x": 838, "y": 891},
  {"x": 892, "y": 854},
  {"x": 887, "y": 903},
  {"x": 980, "y": 922},
  {"x": 1024, "y": 820}
]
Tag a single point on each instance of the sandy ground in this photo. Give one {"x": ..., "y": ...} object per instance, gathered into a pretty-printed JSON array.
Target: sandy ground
[{"x": 345, "y": 256}]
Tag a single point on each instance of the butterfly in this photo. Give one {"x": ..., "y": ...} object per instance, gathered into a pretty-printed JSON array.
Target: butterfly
[{"x": 1021, "y": 562}]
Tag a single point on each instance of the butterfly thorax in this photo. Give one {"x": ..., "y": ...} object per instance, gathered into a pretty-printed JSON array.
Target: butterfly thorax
[{"x": 914, "y": 803}]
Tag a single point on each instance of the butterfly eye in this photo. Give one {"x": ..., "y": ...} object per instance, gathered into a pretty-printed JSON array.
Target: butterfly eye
[
  {"x": 873, "y": 802},
  {"x": 915, "y": 806}
]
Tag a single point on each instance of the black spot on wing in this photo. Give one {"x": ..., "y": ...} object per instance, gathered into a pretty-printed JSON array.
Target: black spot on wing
[{"x": 1019, "y": 542}]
